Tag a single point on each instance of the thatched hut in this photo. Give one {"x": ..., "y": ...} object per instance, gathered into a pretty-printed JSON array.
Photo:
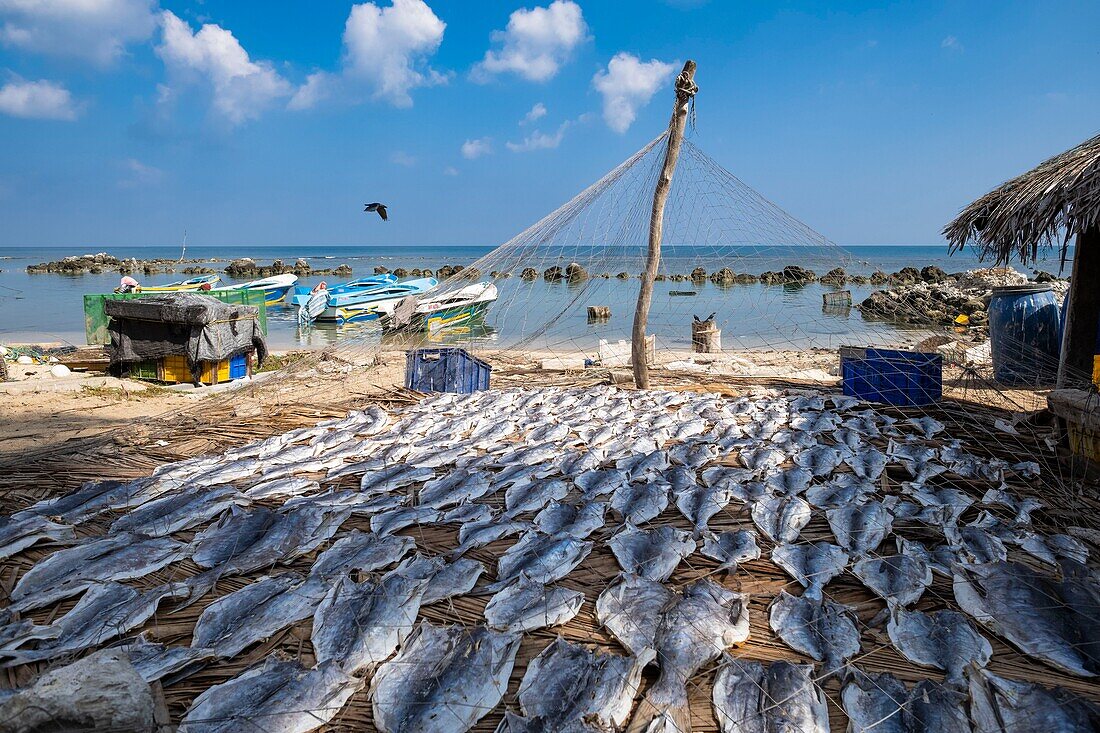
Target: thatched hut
[{"x": 1047, "y": 207}]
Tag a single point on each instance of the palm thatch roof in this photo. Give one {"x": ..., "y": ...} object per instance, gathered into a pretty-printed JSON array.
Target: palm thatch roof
[{"x": 1055, "y": 200}]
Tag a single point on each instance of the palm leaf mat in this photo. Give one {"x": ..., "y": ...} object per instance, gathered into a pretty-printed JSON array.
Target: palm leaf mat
[{"x": 214, "y": 429}]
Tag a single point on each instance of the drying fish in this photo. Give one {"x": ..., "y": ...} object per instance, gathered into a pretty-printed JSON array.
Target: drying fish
[
  {"x": 593, "y": 690},
  {"x": 817, "y": 627},
  {"x": 860, "y": 528},
  {"x": 106, "y": 611},
  {"x": 944, "y": 640},
  {"x": 115, "y": 557},
  {"x": 290, "y": 698},
  {"x": 761, "y": 459},
  {"x": 573, "y": 463},
  {"x": 1045, "y": 619},
  {"x": 444, "y": 679},
  {"x": 526, "y": 605},
  {"x": 692, "y": 632},
  {"x": 396, "y": 520},
  {"x": 781, "y": 518},
  {"x": 445, "y": 579},
  {"x": 807, "y": 403},
  {"x": 480, "y": 533},
  {"x": 812, "y": 564},
  {"x": 256, "y": 612},
  {"x": 929, "y": 427},
  {"x": 553, "y": 432},
  {"x": 652, "y": 554},
  {"x": 699, "y": 503},
  {"x": 362, "y": 551},
  {"x": 820, "y": 460},
  {"x": 790, "y": 481},
  {"x": 762, "y": 429},
  {"x": 849, "y": 441},
  {"x": 360, "y": 625},
  {"x": 782, "y": 697},
  {"x": 544, "y": 558},
  {"x": 879, "y": 703},
  {"x": 154, "y": 661},
  {"x": 282, "y": 487},
  {"x": 919, "y": 460},
  {"x": 1022, "y": 508},
  {"x": 731, "y": 548},
  {"x": 90, "y": 499},
  {"x": 533, "y": 497},
  {"x": 575, "y": 521},
  {"x": 15, "y": 634},
  {"x": 899, "y": 579},
  {"x": 180, "y": 511},
  {"x": 975, "y": 545},
  {"x": 17, "y": 535},
  {"x": 866, "y": 463},
  {"x": 457, "y": 487},
  {"x": 944, "y": 505},
  {"x": 394, "y": 477},
  {"x": 467, "y": 514},
  {"x": 600, "y": 481},
  {"x": 492, "y": 435},
  {"x": 841, "y": 490},
  {"x": 1050, "y": 549},
  {"x": 631, "y": 610},
  {"x": 518, "y": 475},
  {"x": 693, "y": 455},
  {"x": 637, "y": 466},
  {"x": 727, "y": 475},
  {"x": 998, "y": 705}
]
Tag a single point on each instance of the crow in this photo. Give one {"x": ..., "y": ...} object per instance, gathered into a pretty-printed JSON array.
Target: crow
[{"x": 380, "y": 208}]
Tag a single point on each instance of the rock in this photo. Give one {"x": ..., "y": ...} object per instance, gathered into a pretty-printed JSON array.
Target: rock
[
  {"x": 878, "y": 277},
  {"x": 724, "y": 276},
  {"x": 659, "y": 278},
  {"x": 932, "y": 274},
  {"x": 575, "y": 273},
  {"x": 1042, "y": 276},
  {"x": 445, "y": 272},
  {"x": 771, "y": 277},
  {"x": 836, "y": 276},
  {"x": 379, "y": 270},
  {"x": 745, "y": 278},
  {"x": 698, "y": 274},
  {"x": 796, "y": 274},
  {"x": 553, "y": 274},
  {"x": 400, "y": 272},
  {"x": 199, "y": 271},
  {"x": 529, "y": 273},
  {"x": 906, "y": 276},
  {"x": 302, "y": 264},
  {"x": 623, "y": 276},
  {"x": 100, "y": 692},
  {"x": 342, "y": 270}
]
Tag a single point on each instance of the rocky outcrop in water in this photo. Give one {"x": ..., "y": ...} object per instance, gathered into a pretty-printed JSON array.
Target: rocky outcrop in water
[
  {"x": 247, "y": 268},
  {"x": 99, "y": 263}
]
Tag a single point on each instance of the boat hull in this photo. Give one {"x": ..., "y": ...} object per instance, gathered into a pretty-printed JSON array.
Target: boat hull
[{"x": 450, "y": 317}]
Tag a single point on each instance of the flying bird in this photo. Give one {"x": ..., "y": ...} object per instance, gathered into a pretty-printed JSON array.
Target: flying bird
[{"x": 380, "y": 208}]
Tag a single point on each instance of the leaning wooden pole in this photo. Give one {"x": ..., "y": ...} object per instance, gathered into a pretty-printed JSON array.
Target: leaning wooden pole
[
  {"x": 685, "y": 91},
  {"x": 1082, "y": 313}
]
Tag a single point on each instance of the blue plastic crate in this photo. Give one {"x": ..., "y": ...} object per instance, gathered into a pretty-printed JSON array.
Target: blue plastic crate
[
  {"x": 445, "y": 370},
  {"x": 902, "y": 378},
  {"x": 238, "y": 366}
]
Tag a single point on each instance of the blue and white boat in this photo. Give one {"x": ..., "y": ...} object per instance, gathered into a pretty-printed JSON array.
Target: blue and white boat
[
  {"x": 370, "y": 306},
  {"x": 274, "y": 288},
  {"x": 360, "y": 285}
]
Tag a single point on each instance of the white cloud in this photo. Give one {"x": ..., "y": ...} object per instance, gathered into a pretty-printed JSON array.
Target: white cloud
[
  {"x": 537, "y": 113},
  {"x": 319, "y": 86},
  {"x": 540, "y": 140},
  {"x": 388, "y": 48},
  {"x": 536, "y": 42},
  {"x": 472, "y": 149},
  {"x": 951, "y": 43},
  {"x": 97, "y": 30},
  {"x": 400, "y": 157},
  {"x": 627, "y": 85},
  {"x": 242, "y": 89},
  {"x": 139, "y": 175},
  {"x": 38, "y": 100},
  {"x": 450, "y": 171}
]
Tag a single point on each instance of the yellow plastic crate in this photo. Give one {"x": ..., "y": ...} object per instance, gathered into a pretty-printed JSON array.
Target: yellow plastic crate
[
  {"x": 1083, "y": 442},
  {"x": 175, "y": 369}
]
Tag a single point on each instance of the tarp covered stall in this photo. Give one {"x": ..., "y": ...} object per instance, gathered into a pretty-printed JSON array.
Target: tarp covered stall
[
  {"x": 96, "y": 320},
  {"x": 197, "y": 327}
]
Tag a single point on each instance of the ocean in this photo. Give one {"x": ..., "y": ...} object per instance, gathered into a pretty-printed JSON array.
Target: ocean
[{"x": 551, "y": 316}]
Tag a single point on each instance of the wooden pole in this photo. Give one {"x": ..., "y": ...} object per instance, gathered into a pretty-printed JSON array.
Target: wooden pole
[
  {"x": 1082, "y": 312},
  {"x": 685, "y": 90}
]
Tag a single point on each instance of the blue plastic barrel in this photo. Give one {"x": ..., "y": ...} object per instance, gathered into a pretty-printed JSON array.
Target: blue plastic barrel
[{"x": 1024, "y": 335}]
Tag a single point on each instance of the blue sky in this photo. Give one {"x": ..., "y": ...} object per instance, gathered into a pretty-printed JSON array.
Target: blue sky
[{"x": 124, "y": 122}]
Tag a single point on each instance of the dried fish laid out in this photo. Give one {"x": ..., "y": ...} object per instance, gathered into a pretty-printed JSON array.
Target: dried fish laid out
[
  {"x": 860, "y": 528},
  {"x": 444, "y": 678},
  {"x": 879, "y": 703},
  {"x": 651, "y": 553},
  {"x": 17, "y": 535},
  {"x": 817, "y": 627},
  {"x": 781, "y": 518},
  {"x": 812, "y": 564},
  {"x": 899, "y": 579},
  {"x": 998, "y": 704},
  {"x": 527, "y": 605},
  {"x": 943, "y": 640},
  {"x": 730, "y": 548},
  {"x": 290, "y": 698},
  {"x": 750, "y": 697}
]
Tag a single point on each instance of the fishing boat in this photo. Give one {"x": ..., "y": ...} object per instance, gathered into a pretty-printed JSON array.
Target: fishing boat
[
  {"x": 360, "y": 285},
  {"x": 274, "y": 288},
  {"x": 194, "y": 283},
  {"x": 370, "y": 306},
  {"x": 460, "y": 307}
]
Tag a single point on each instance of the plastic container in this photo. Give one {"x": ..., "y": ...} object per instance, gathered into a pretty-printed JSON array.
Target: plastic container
[
  {"x": 902, "y": 378},
  {"x": 1024, "y": 335},
  {"x": 147, "y": 370},
  {"x": 445, "y": 370},
  {"x": 174, "y": 369},
  {"x": 238, "y": 366}
]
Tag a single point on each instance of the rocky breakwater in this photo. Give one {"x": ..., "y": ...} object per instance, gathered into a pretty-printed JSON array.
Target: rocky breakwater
[
  {"x": 247, "y": 268},
  {"x": 932, "y": 297},
  {"x": 96, "y": 264}
]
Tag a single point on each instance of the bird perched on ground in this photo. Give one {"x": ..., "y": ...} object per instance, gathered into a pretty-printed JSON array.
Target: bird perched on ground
[{"x": 380, "y": 208}]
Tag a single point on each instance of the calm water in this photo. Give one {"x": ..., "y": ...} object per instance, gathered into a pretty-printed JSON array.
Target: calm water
[{"x": 40, "y": 308}]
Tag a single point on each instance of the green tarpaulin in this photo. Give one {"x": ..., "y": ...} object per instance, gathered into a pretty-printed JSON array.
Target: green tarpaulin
[{"x": 95, "y": 320}]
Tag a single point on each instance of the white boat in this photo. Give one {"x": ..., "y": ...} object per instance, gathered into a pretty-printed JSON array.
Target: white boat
[
  {"x": 447, "y": 310},
  {"x": 274, "y": 288}
]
